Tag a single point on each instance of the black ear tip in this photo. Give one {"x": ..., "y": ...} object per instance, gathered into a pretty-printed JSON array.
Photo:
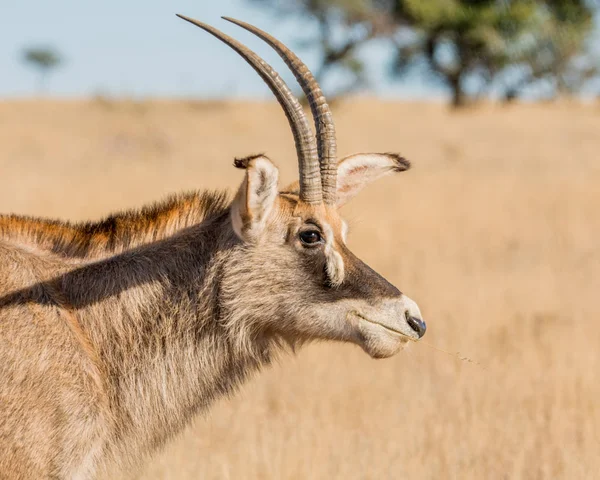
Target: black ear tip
[
  {"x": 243, "y": 163},
  {"x": 402, "y": 163}
]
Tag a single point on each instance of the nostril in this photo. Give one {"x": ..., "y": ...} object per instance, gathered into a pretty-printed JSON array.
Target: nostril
[{"x": 417, "y": 325}]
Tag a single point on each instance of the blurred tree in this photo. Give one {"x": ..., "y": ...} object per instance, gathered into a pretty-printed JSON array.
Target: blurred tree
[
  {"x": 506, "y": 45},
  {"x": 461, "y": 39},
  {"x": 512, "y": 44},
  {"x": 343, "y": 26},
  {"x": 44, "y": 59}
]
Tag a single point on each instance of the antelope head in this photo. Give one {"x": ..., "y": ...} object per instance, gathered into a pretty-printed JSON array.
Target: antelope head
[{"x": 296, "y": 277}]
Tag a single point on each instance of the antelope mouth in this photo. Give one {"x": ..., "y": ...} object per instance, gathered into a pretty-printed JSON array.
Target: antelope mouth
[{"x": 385, "y": 327}]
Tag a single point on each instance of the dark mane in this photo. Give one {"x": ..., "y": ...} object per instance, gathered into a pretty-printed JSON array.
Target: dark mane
[{"x": 117, "y": 232}]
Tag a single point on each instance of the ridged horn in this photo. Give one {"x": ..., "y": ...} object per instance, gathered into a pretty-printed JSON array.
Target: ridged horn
[
  {"x": 306, "y": 148},
  {"x": 321, "y": 112}
]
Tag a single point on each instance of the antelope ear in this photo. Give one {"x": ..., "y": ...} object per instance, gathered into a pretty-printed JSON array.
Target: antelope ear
[
  {"x": 357, "y": 171},
  {"x": 255, "y": 198}
]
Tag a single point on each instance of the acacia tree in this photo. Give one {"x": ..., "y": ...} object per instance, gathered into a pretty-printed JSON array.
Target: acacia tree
[
  {"x": 460, "y": 39},
  {"x": 508, "y": 45},
  {"x": 564, "y": 52},
  {"x": 43, "y": 59}
]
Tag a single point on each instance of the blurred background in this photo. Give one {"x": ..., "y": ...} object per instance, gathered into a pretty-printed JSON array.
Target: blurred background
[
  {"x": 444, "y": 49},
  {"x": 494, "y": 232}
]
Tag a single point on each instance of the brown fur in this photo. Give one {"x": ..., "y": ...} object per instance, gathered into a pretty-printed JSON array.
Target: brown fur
[
  {"x": 113, "y": 335},
  {"x": 115, "y": 233},
  {"x": 116, "y": 329}
]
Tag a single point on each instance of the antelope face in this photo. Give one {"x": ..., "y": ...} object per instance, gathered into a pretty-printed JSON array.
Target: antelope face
[
  {"x": 297, "y": 278},
  {"x": 298, "y": 270},
  {"x": 355, "y": 303}
]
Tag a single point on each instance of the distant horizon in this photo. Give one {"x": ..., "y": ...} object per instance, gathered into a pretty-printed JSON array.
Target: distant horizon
[
  {"x": 119, "y": 54},
  {"x": 113, "y": 49},
  {"x": 591, "y": 101}
]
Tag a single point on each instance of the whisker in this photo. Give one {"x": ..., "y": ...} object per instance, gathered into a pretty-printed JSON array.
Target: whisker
[{"x": 456, "y": 355}]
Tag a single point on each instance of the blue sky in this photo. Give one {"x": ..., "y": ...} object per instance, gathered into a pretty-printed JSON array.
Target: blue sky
[{"x": 138, "y": 48}]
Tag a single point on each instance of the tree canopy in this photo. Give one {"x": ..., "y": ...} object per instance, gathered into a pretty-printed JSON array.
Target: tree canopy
[
  {"x": 44, "y": 59},
  {"x": 471, "y": 46}
]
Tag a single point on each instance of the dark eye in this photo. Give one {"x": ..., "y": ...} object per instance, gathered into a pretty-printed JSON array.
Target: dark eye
[{"x": 310, "y": 237}]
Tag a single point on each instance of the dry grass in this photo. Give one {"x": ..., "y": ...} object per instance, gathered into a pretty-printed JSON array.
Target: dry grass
[{"x": 495, "y": 233}]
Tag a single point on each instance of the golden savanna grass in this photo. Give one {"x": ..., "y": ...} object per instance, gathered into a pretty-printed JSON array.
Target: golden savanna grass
[{"x": 495, "y": 232}]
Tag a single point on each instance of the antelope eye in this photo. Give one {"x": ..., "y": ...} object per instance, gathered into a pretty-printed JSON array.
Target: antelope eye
[{"x": 310, "y": 237}]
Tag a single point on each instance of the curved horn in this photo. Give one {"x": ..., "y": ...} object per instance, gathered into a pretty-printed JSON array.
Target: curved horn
[
  {"x": 306, "y": 149},
  {"x": 318, "y": 105}
]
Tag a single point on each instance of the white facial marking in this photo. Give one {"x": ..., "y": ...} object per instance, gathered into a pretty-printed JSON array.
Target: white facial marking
[
  {"x": 335, "y": 263},
  {"x": 344, "y": 231}
]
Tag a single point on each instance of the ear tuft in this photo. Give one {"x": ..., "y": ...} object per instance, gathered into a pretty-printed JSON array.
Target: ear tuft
[
  {"x": 401, "y": 163},
  {"x": 243, "y": 163}
]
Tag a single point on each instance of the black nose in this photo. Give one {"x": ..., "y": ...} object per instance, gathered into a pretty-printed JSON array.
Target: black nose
[{"x": 417, "y": 325}]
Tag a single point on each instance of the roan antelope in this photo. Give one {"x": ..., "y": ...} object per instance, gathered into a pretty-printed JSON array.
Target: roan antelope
[{"x": 113, "y": 335}]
